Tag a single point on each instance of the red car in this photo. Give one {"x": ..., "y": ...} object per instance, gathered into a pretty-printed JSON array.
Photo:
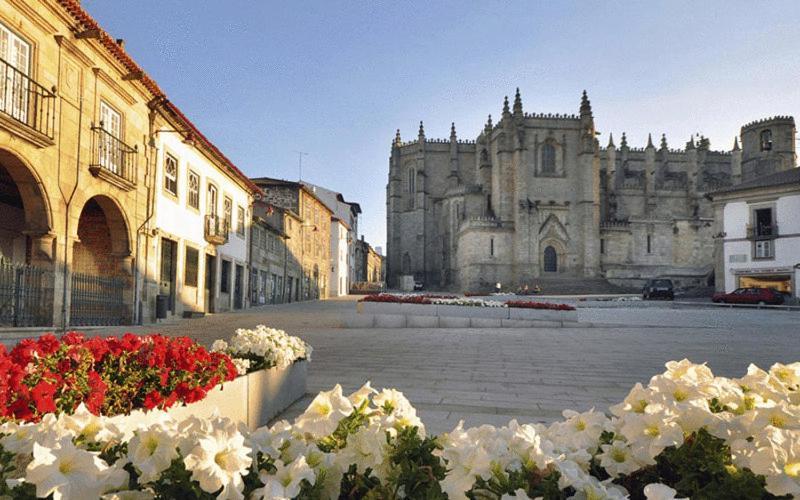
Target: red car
[{"x": 749, "y": 296}]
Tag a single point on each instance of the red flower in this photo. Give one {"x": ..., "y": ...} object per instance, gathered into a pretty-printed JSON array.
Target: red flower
[
  {"x": 43, "y": 395},
  {"x": 153, "y": 399}
]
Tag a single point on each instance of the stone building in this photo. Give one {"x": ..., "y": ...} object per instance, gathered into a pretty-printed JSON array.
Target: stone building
[
  {"x": 534, "y": 197},
  {"x": 80, "y": 142},
  {"x": 313, "y": 250},
  {"x": 346, "y": 213},
  {"x": 269, "y": 256}
]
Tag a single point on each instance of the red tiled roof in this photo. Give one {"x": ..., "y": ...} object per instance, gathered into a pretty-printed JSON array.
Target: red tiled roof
[{"x": 87, "y": 22}]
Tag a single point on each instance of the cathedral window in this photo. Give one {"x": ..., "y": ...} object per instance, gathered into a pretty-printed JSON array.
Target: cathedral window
[
  {"x": 602, "y": 246},
  {"x": 649, "y": 244},
  {"x": 491, "y": 247},
  {"x": 412, "y": 185},
  {"x": 548, "y": 159},
  {"x": 766, "y": 140}
]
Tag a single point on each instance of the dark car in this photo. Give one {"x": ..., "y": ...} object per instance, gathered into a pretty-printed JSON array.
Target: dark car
[
  {"x": 419, "y": 285},
  {"x": 750, "y": 295},
  {"x": 658, "y": 288}
]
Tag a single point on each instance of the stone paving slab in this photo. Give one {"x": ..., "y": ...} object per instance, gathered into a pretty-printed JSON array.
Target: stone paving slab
[{"x": 490, "y": 375}]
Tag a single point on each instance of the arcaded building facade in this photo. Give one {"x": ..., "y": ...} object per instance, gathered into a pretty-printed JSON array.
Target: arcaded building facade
[{"x": 534, "y": 196}]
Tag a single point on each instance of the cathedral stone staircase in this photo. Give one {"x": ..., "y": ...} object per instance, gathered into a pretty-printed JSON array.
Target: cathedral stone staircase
[{"x": 578, "y": 286}]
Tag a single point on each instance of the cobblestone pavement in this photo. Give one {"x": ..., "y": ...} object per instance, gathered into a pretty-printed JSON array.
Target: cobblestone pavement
[{"x": 493, "y": 375}]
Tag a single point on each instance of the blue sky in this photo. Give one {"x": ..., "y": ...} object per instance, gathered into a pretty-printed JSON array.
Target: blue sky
[{"x": 263, "y": 79}]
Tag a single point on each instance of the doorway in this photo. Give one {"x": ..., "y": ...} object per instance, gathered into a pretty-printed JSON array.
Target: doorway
[
  {"x": 166, "y": 283},
  {"x": 237, "y": 287},
  {"x": 550, "y": 260},
  {"x": 210, "y": 282}
]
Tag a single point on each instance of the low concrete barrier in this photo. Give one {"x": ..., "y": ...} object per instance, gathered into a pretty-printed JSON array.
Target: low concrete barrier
[
  {"x": 380, "y": 309},
  {"x": 253, "y": 399}
]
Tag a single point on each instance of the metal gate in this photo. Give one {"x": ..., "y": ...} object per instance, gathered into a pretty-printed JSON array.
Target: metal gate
[
  {"x": 26, "y": 295},
  {"x": 98, "y": 300}
]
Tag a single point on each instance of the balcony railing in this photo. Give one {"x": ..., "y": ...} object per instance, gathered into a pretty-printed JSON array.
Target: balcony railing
[
  {"x": 112, "y": 156},
  {"x": 216, "y": 230},
  {"x": 26, "y": 101},
  {"x": 762, "y": 232}
]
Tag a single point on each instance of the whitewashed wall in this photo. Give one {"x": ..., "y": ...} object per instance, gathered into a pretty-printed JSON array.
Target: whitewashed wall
[{"x": 179, "y": 222}]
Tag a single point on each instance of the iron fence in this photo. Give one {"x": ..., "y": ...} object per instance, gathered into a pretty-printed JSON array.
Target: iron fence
[
  {"x": 98, "y": 300},
  {"x": 26, "y": 295}
]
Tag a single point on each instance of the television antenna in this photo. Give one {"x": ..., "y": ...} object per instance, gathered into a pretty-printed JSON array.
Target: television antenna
[{"x": 300, "y": 155}]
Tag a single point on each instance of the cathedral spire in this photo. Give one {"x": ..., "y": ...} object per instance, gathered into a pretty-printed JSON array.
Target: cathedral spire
[
  {"x": 611, "y": 141},
  {"x": 624, "y": 143},
  {"x": 453, "y": 132},
  {"x": 586, "y": 106},
  {"x": 517, "y": 104},
  {"x": 664, "y": 141},
  {"x": 690, "y": 144},
  {"x": 650, "y": 141},
  {"x": 421, "y": 134},
  {"x": 397, "y": 139},
  {"x": 505, "y": 107},
  {"x": 736, "y": 144}
]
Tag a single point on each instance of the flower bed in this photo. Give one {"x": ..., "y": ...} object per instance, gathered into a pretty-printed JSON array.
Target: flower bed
[
  {"x": 524, "y": 304},
  {"x": 686, "y": 434},
  {"x": 262, "y": 348},
  {"x": 405, "y": 299},
  {"x": 108, "y": 375},
  {"x": 452, "y": 300}
]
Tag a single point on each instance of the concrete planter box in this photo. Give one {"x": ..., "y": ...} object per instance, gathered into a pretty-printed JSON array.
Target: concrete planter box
[
  {"x": 254, "y": 398},
  {"x": 417, "y": 309},
  {"x": 542, "y": 314},
  {"x": 379, "y": 307},
  {"x": 472, "y": 312}
]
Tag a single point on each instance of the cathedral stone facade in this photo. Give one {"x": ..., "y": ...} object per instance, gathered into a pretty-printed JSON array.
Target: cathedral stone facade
[{"x": 535, "y": 197}]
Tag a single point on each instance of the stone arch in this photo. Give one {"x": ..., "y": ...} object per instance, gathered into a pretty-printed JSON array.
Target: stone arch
[
  {"x": 103, "y": 243},
  {"x": 25, "y": 212}
]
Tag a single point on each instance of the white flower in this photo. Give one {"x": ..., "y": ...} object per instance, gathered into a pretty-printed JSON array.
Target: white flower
[
  {"x": 324, "y": 413},
  {"x": 650, "y": 432},
  {"x": 580, "y": 430},
  {"x": 365, "y": 392},
  {"x": 285, "y": 483},
  {"x": 636, "y": 401},
  {"x": 219, "y": 345},
  {"x": 89, "y": 426},
  {"x": 658, "y": 491},
  {"x": 618, "y": 459},
  {"x": 218, "y": 461},
  {"x": 129, "y": 495},
  {"x": 367, "y": 448},
  {"x": 778, "y": 459},
  {"x": 519, "y": 494},
  {"x": 466, "y": 459},
  {"x": 242, "y": 365},
  {"x": 66, "y": 472},
  {"x": 152, "y": 451}
]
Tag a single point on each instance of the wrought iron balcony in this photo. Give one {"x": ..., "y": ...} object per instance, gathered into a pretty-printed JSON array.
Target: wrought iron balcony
[
  {"x": 113, "y": 160},
  {"x": 26, "y": 106},
  {"x": 216, "y": 230},
  {"x": 762, "y": 232}
]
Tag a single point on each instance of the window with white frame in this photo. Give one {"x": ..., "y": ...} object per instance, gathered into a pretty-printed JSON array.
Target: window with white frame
[
  {"x": 16, "y": 52},
  {"x": 227, "y": 207},
  {"x": 193, "y": 190},
  {"x": 110, "y": 151},
  {"x": 240, "y": 216},
  {"x": 171, "y": 174},
  {"x": 764, "y": 249}
]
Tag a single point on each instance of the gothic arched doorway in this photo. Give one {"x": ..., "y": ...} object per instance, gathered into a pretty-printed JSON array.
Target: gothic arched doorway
[
  {"x": 550, "y": 260},
  {"x": 101, "y": 266}
]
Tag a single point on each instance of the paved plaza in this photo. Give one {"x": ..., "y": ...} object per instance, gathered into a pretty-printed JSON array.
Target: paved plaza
[{"x": 531, "y": 374}]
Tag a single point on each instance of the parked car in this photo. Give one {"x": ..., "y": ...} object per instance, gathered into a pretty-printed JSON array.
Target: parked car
[
  {"x": 658, "y": 288},
  {"x": 751, "y": 295},
  {"x": 419, "y": 285}
]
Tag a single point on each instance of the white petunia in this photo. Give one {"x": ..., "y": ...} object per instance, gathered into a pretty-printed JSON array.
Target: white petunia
[
  {"x": 650, "y": 432},
  {"x": 152, "y": 451},
  {"x": 658, "y": 491},
  {"x": 286, "y": 481},
  {"x": 618, "y": 459},
  {"x": 324, "y": 413},
  {"x": 218, "y": 462},
  {"x": 66, "y": 471},
  {"x": 778, "y": 459}
]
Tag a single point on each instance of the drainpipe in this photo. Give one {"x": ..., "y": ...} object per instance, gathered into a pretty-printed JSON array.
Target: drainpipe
[
  {"x": 150, "y": 148},
  {"x": 68, "y": 202}
]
